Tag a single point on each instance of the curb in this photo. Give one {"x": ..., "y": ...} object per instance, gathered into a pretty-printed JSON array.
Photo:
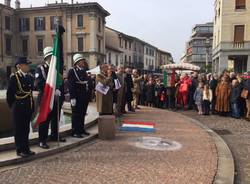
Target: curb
[
  {"x": 225, "y": 168},
  {"x": 47, "y": 153},
  {"x": 53, "y": 151},
  {"x": 34, "y": 141}
]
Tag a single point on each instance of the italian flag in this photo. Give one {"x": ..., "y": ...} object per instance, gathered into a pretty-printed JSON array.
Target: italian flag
[{"x": 53, "y": 82}]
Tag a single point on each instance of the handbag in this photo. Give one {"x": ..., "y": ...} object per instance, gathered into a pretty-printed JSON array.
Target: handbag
[{"x": 244, "y": 93}]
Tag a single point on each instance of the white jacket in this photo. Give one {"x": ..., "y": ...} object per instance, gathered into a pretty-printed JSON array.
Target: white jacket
[{"x": 208, "y": 97}]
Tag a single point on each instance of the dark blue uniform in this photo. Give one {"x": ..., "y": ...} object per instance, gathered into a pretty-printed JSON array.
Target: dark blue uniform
[
  {"x": 80, "y": 88},
  {"x": 40, "y": 81},
  {"x": 20, "y": 100}
]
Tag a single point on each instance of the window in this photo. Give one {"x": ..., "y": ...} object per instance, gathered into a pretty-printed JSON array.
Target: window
[
  {"x": 126, "y": 44},
  {"x": 79, "y": 20},
  {"x": 125, "y": 58},
  {"x": 240, "y": 4},
  {"x": 80, "y": 43},
  {"x": 109, "y": 60},
  {"x": 99, "y": 24},
  {"x": 239, "y": 33},
  {"x": 129, "y": 59},
  {"x": 146, "y": 61},
  {"x": 25, "y": 47},
  {"x": 53, "y": 22},
  {"x": 130, "y": 45},
  {"x": 7, "y": 22},
  {"x": 120, "y": 42},
  {"x": 99, "y": 46},
  {"x": 8, "y": 46},
  {"x": 24, "y": 24},
  {"x": 39, "y": 23},
  {"x": 147, "y": 51},
  {"x": 116, "y": 59},
  {"x": 40, "y": 46}
]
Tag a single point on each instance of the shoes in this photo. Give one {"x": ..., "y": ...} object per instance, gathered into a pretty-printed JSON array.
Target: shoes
[
  {"x": 31, "y": 153},
  {"x": 22, "y": 154},
  {"x": 43, "y": 145},
  {"x": 77, "y": 136},
  {"x": 86, "y": 133},
  {"x": 53, "y": 139}
]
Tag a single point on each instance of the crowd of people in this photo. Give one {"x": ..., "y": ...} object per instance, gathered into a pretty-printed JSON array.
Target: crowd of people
[
  {"x": 117, "y": 90},
  {"x": 225, "y": 95}
]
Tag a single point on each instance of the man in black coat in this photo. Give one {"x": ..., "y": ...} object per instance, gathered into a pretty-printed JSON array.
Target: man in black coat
[
  {"x": 40, "y": 81},
  {"x": 20, "y": 100},
  {"x": 80, "y": 88},
  {"x": 129, "y": 87}
]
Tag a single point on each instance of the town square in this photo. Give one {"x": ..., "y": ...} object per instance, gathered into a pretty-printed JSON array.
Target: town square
[{"x": 124, "y": 92}]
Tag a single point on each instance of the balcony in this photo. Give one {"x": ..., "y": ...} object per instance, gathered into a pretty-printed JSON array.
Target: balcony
[
  {"x": 243, "y": 47},
  {"x": 238, "y": 45}
]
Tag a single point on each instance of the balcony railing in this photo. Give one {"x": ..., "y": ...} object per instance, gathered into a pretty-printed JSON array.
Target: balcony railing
[{"x": 238, "y": 45}]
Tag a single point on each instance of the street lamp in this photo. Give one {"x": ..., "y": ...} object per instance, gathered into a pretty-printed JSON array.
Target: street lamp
[{"x": 207, "y": 45}]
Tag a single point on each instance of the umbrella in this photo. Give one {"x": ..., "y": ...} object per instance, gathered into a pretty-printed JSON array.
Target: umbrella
[{"x": 182, "y": 66}]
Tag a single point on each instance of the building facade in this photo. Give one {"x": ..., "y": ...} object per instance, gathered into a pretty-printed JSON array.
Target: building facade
[
  {"x": 162, "y": 58},
  {"x": 32, "y": 29},
  {"x": 231, "y": 45},
  {"x": 149, "y": 57},
  {"x": 199, "y": 47}
]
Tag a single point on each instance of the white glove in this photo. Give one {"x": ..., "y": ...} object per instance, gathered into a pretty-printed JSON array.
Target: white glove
[
  {"x": 57, "y": 92},
  {"x": 73, "y": 102}
]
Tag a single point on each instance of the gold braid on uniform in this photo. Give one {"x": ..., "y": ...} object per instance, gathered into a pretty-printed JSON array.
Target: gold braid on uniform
[{"x": 21, "y": 94}]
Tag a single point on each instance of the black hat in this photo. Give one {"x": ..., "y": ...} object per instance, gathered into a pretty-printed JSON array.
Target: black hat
[{"x": 22, "y": 60}]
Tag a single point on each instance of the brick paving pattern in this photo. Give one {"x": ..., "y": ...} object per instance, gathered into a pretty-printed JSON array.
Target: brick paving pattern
[
  {"x": 118, "y": 162},
  {"x": 236, "y": 134}
]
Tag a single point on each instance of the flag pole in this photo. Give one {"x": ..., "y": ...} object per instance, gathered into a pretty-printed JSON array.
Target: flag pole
[
  {"x": 58, "y": 121},
  {"x": 58, "y": 98}
]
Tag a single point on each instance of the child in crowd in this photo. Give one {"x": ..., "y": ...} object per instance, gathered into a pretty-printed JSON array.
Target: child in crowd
[
  {"x": 198, "y": 97},
  {"x": 207, "y": 99},
  {"x": 235, "y": 98}
]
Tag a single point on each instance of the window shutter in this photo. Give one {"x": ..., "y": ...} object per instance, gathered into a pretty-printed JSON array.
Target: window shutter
[
  {"x": 240, "y": 4},
  {"x": 239, "y": 33}
]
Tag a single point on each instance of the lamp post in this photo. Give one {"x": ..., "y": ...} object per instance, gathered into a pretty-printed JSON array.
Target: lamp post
[{"x": 207, "y": 45}]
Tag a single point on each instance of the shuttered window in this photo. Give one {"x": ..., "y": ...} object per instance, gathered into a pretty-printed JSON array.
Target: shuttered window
[
  {"x": 240, "y": 4},
  {"x": 239, "y": 33}
]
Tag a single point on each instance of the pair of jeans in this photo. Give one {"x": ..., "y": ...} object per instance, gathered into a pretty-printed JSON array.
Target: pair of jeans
[{"x": 235, "y": 110}]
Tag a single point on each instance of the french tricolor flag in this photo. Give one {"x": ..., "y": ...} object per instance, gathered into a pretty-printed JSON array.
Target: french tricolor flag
[{"x": 138, "y": 126}]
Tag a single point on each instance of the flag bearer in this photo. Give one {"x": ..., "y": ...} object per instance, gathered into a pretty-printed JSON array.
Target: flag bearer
[
  {"x": 40, "y": 81},
  {"x": 80, "y": 86},
  {"x": 20, "y": 100}
]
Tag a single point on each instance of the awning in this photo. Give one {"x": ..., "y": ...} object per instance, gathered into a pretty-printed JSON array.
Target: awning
[{"x": 182, "y": 66}]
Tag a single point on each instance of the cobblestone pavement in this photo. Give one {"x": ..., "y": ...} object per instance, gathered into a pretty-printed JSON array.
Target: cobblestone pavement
[
  {"x": 236, "y": 134},
  {"x": 119, "y": 162}
]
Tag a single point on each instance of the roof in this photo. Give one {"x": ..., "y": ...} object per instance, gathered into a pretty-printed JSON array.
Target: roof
[
  {"x": 113, "y": 48},
  {"x": 66, "y": 5}
]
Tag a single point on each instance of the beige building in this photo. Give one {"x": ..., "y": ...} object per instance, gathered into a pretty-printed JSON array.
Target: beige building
[
  {"x": 32, "y": 29},
  {"x": 231, "y": 43},
  {"x": 122, "y": 49}
]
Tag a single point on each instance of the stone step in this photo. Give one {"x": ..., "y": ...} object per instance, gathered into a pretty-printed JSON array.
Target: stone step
[
  {"x": 90, "y": 119},
  {"x": 9, "y": 157}
]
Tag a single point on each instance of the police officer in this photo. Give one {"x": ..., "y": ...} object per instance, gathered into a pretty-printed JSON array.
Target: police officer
[
  {"x": 20, "y": 100},
  {"x": 80, "y": 86},
  {"x": 40, "y": 81}
]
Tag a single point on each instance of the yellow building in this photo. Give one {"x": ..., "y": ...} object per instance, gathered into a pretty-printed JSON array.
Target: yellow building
[
  {"x": 32, "y": 29},
  {"x": 231, "y": 43}
]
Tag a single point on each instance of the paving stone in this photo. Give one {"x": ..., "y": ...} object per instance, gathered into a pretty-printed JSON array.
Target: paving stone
[{"x": 119, "y": 162}]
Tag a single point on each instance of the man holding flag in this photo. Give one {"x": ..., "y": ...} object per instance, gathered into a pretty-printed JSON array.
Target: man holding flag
[{"x": 49, "y": 82}]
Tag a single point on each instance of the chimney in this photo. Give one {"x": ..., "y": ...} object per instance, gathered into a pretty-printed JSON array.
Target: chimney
[
  {"x": 7, "y": 2},
  {"x": 17, "y": 4},
  {"x": 61, "y": 1},
  {"x": 72, "y": 1}
]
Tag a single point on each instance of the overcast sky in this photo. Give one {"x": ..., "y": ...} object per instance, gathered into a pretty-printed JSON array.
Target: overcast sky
[{"x": 166, "y": 24}]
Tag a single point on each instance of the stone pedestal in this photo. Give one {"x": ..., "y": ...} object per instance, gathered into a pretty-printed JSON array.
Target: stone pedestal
[{"x": 106, "y": 127}]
